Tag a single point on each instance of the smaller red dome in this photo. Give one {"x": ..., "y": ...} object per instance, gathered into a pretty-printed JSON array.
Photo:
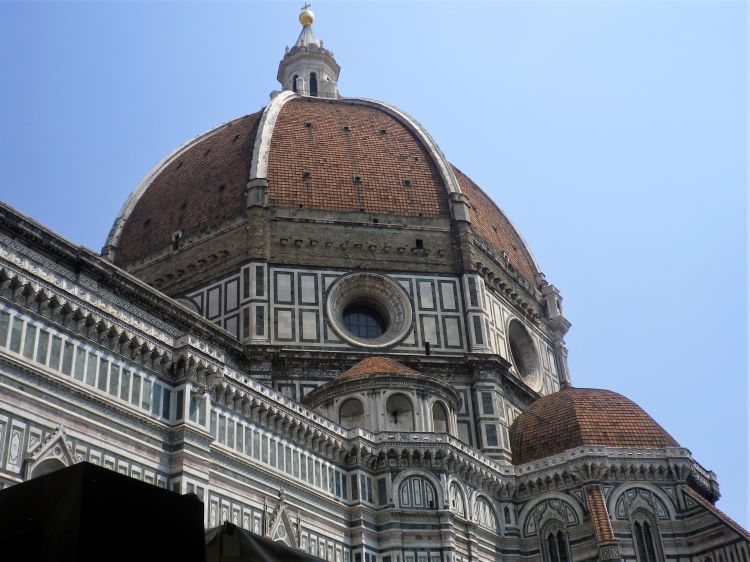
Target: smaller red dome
[
  {"x": 377, "y": 365},
  {"x": 575, "y": 417}
]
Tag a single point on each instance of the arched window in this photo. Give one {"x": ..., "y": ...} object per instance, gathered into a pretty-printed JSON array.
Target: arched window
[
  {"x": 506, "y": 511},
  {"x": 398, "y": 410},
  {"x": 556, "y": 546},
  {"x": 313, "y": 84},
  {"x": 456, "y": 500},
  {"x": 416, "y": 492},
  {"x": 294, "y": 83},
  {"x": 439, "y": 418},
  {"x": 645, "y": 540},
  {"x": 351, "y": 413},
  {"x": 484, "y": 515}
]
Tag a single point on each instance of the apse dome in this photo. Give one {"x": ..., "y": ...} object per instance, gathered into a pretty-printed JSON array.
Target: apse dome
[
  {"x": 577, "y": 417},
  {"x": 381, "y": 394}
]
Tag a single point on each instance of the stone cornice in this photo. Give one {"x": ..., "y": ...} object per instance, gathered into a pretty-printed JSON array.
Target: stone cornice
[
  {"x": 615, "y": 464},
  {"x": 499, "y": 371},
  {"x": 357, "y": 447},
  {"x": 504, "y": 268},
  {"x": 137, "y": 424},
  {"x": 78, "y": 262}
]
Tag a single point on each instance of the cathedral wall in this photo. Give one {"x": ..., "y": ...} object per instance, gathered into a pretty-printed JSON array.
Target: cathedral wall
[
  {"x": 89, "y": 372},
  {"x": 64, "y": 400},
  {"x": 30, "y": 433},
  {"x": 326, "y": 239},
  {"x": 286, "y": 307}
]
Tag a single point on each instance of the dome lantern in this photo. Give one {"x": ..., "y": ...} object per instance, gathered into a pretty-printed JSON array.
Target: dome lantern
[{"x": 308, "y": 68}]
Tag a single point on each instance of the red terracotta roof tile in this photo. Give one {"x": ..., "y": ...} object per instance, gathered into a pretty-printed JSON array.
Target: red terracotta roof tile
[
  {"x": 494, "y": 226},
  {"x": 201, "y": 188},
  {"x": 377, "y": 365},
  {"x": 317, "y": 148},
  {"x": 574, "y": 417},
  {"x": 337, "y": 140}
]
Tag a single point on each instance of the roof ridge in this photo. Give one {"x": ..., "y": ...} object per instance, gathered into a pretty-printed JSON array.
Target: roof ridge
[
  {"x": 717, "y": 512},
  {"x": 578, "y": 417}
]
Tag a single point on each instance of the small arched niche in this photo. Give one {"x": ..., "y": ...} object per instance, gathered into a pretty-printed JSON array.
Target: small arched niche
[
  {"x": 439, "y": 418},
  {"x": 399, "y": 413},
  {"x": 646, "y": 537},
  {"x": 47, "y": 466},
  {"x": 351, "y": 413}
]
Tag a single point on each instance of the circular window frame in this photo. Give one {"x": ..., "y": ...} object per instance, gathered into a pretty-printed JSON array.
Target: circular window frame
[
  {"x": 527, "y": 365},
  {"x": 382, "y": 294}
]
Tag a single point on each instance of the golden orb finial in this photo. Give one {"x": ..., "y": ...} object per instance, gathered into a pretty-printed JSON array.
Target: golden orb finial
[{"x": 306, "y": 16}]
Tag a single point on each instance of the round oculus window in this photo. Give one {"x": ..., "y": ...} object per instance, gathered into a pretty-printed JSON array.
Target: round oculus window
[
  {"x": 523, "y": 354},
  {"x": 369, "y": 310}
]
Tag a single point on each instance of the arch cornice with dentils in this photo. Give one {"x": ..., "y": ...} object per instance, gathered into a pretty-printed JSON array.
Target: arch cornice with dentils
[
  {"x": 113, "y": 238},
  {"x": 528, "y": 510}
]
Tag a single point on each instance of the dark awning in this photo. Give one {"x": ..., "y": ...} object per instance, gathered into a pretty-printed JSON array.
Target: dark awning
[{"x": 229, "y": 543}]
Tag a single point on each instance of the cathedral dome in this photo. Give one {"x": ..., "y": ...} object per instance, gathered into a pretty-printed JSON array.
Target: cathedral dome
[
  {"x": 339, "y": 155},
  {"x": 576, "y": 417}
]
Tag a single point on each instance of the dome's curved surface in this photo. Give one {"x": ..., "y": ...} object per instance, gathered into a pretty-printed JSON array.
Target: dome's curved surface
[
  {"x": 336, "y": 141},
  {"x": 342, "y": 155},
  {"x": 495, "y": 227},
  {"x": 377, "y": 365},
  {"x": 199, "y": 186},
  {"x": 575, "y": 417}
]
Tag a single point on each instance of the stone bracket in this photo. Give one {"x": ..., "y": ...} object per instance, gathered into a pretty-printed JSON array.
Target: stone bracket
[
  {"x": 256, "y": 193},
  {"x": 459, "y": 204}
]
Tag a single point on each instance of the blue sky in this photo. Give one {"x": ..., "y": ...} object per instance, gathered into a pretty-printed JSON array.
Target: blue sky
[{"x": 613, "y": 134}]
